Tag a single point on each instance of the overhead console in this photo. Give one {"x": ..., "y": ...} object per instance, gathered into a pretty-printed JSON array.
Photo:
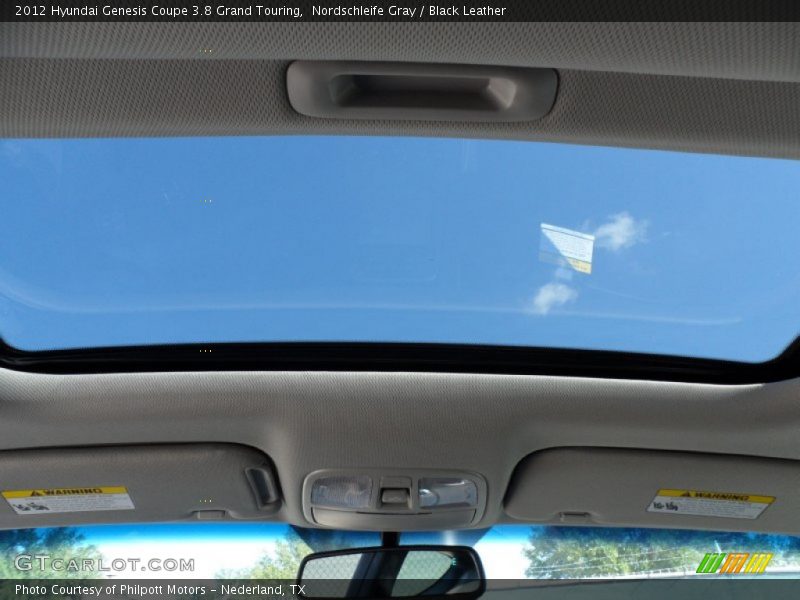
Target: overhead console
[
  {"x": 643, "y": 488},
  {"x": 109, "y": 484},
  {"x": 393, "y": 500}
]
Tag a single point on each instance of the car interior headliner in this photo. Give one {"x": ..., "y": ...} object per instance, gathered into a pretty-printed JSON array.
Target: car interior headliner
[
  {"x": 706, "y": 87},
  {"x": 728, "y": 88}
]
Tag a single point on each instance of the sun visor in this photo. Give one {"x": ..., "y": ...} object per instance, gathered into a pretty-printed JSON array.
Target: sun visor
[
  {"x": 118, "y": 484},
  {"x": 640, "y": 488}
]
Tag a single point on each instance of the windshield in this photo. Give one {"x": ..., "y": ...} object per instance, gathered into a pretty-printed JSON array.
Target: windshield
[
  {"x": 274, "y": 551},
  {"x": 117, "y": 242}
]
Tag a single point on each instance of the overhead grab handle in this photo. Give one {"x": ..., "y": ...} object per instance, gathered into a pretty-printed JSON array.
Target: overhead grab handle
[{"x": 402, "y": 91}]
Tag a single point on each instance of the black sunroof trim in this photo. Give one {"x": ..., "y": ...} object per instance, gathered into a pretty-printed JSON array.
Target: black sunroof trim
[{"x": 405, "y": 357}]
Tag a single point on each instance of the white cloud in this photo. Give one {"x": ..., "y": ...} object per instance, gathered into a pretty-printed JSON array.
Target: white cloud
[
  {"x": 622, "y": 231},
  {"x": 553, "y": 295}
]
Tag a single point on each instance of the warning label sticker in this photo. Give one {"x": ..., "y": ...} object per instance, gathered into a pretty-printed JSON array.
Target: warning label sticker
[
  {"x": 65, "y": 500},
  {"x": 710, "y": 504},
  {"x": 566, "y": 248}
]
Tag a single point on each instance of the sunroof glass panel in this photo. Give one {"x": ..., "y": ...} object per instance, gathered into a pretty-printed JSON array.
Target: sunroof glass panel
[{"x": 117, "y": 242}]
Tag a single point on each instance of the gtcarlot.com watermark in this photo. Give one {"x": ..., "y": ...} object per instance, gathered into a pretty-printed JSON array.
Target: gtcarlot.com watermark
[{"x": 45, "y": 562}]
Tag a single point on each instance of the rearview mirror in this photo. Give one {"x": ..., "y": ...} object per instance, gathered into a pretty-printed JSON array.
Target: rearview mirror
[{"x": 397, "y": 572}]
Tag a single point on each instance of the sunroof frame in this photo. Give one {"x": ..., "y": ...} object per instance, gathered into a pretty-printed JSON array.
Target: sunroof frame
[{"x": 402, "y": 357}]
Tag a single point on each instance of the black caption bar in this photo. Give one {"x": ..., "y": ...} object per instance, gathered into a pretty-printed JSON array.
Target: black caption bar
[
  {"x": 259, "y": 11},
  {"x": 285, "y": 589}
]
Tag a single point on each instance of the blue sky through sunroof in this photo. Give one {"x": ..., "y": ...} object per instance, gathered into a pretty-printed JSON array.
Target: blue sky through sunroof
[{"x": 107, "y": 242}]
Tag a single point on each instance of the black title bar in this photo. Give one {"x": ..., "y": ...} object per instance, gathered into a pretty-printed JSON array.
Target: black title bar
[{"x": 487, "y": 11}]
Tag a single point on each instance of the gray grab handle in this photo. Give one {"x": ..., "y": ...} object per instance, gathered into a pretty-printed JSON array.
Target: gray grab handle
[{"x": 403, "y": 91}]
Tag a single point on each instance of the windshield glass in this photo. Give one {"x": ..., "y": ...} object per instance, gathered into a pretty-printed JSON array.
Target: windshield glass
[
  {"x": 274, "y": 551},
  {"x": 117, "y": 242}
]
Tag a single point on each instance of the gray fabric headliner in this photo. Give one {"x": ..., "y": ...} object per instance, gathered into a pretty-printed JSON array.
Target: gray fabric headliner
[
  {"x": 763, "y": 51},
  {"x": 306, "y": 421},
  {"x": 652, "y": 85},
  {"x": 75, "y": 98}
]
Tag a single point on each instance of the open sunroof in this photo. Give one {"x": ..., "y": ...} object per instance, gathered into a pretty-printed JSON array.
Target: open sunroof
[{"x": 122, "y": 242}]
